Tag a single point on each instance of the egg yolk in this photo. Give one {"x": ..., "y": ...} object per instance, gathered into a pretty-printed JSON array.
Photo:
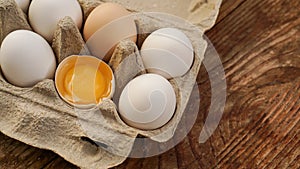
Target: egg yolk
[{"x": 86, "y": 83}]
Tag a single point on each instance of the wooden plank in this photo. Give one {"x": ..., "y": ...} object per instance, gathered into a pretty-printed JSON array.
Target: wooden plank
[{"x": 227, "y": 7}]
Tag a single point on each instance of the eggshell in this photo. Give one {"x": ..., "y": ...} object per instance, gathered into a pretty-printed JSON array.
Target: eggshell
[
  {"x": 83, "y": 81},
  {"x": 45, "y": 14},
  {"x": 167, "y": 52},
  {"x": 106, "y": 26},
  {"x": 26, "y": 58},
  {"x": 23, "y": 4},
  {"x": 147, "y": 102}
]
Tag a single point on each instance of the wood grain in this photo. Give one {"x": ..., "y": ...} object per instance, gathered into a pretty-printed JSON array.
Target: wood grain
[{"x": 259, "y": 45}]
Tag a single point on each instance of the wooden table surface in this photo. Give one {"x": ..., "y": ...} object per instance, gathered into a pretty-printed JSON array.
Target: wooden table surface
[{"x": 259, "y": 45}]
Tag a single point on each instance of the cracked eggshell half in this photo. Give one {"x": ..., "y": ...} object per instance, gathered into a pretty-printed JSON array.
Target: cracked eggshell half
[{"x": 84, "y": 81}]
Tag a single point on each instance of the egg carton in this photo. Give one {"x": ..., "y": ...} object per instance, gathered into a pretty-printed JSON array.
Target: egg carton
[{"x": 39, "y": 117}]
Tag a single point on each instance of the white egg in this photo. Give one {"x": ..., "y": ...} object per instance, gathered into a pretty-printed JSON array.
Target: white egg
[
  {"x": 45, "y": 14},
  {"x": 147, "y": 102},
  {"x": 23, "y": 4},
  {"x": 26, "y": 58},
  {"x": 167, "y": 52}
]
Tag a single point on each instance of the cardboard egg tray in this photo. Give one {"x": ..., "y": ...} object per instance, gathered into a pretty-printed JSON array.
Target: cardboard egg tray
[{"x": 39, "y": 117}]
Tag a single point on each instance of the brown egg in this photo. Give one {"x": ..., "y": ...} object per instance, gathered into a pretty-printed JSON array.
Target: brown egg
[{"x": 106, "y": 26}]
